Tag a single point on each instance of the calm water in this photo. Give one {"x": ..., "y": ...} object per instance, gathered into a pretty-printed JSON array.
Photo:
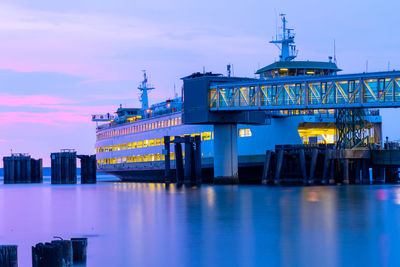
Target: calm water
[{"x": 130, "y": 224}]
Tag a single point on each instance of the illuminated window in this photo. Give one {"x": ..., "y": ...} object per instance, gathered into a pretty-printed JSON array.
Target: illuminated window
[
  {"x": 245, "y": 132},
  {"x": 124, "y": 160},
  {"x": 194, "y": 134},
  {"x": 176, "y": 121},
  {"x": 162, "y": 157},
  {"x": 129, "y": 146},
  {"x": 157, "y": 142},
  {"x": 151, "y": 157},
  {"x": 157, "y": 157},
  {"x": 129, "y": 159},
  {"x": 172, "y": 155},
  {"x": 140, "y": 144},
  {"x": 139, "y": 158},
  {"x": 145, "y": 158},
  {"x": 151, "y": 142},
  {"x": 134, "y": 145},
  {"x": 133, "y": 158},
  {"x": 179, "y": 120},
  {"x": 119, "y": 147},
  {"x": 145, "y": 143},
  {"x": 123, "y": 146},
  {"x": 114, "y": 148}
]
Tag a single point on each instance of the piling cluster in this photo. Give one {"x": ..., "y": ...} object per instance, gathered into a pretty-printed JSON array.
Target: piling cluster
[
  {"x": 57, "y": 253},
  {"x": 22, "y": 168},
  {"x": 188, "y": 168},
  {"x": 300, "y": 164}
]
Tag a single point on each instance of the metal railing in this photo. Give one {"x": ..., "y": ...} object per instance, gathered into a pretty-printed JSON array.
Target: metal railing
[{"x": 362, "y": 90}]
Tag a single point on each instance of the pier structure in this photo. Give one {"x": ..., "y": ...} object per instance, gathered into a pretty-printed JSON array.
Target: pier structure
[
  {"x": 187, "y": 167},
  {"x": 64, "y": 167},
  {"x": 228, "y": 101},
  {"x": 196, "y": 111},
  {"x": 22, "y": 168}
]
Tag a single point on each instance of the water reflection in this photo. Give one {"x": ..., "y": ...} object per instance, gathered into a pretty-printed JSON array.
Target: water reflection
[{"x": 133, "y": 224}]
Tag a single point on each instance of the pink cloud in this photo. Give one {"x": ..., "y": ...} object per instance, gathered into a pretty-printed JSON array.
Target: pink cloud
[
  {"x": 50, "y": 118},
  {"x": 32, "y": 100},
  {"x": 3, "y": 141}
]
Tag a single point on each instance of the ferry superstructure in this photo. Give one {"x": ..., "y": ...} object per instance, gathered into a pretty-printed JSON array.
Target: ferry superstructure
[{"x": 130, "y": 143}]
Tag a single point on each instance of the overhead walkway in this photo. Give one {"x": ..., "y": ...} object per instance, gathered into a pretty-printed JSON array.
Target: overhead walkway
[{"x": 361, "y": 90}]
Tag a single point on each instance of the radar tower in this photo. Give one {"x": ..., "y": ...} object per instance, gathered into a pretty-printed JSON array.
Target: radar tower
[
  {"x": 144, "y": 87},
  {"x": 286, "y": 42}
]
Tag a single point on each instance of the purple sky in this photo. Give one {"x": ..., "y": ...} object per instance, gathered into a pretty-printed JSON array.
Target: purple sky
[{"x": 62, "y": 61}]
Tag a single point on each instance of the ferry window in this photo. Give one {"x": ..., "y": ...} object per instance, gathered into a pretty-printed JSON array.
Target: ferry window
[
  {"x": 129, "y": 159},
  {"x": 151, "y": 142},
  {"x": 124, "y": 160},
  {"x": 162, "y": 124},
  {"x": 145, "y": 158},
  {"x": 145, "y": 143},
  {"x": 133, "y": 158},
  {"x": 194, "y": 134},
  {"x": 176, "y": 121},
  {"x": 129, "y": 146},
  {"x": 179, "y": 120},
  {"x": 162, "y": 141},
  {"x": 123, "y": 146},
  {"x": 140, "y": 144},
  {"x": 151, "y": 157},
  {"x": 172, "y": 155},
  {"x": 157, "y": 142},
  {"x": 245, "y": 132},
  {"x": 134, "y": 145},
  {"x": 172, "y": 122},
  {"x": 139, "y": 158},
  {"x": 157, "y": 157},
  {"x": 162, "y": 157},
  {"x": 172, "y": 138},
  {"x": 118, "y": 147}
]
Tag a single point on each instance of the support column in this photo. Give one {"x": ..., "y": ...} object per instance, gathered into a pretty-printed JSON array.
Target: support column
[{"x": 225, "y": 154}]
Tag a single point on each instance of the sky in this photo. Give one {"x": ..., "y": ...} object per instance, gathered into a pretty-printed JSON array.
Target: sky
[{"x": 61, "y": 61}]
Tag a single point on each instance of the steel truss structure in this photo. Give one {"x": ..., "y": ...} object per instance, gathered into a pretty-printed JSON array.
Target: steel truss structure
[
  {"x": 350, "y": 130},
  {"x": 362, "y": 90}
]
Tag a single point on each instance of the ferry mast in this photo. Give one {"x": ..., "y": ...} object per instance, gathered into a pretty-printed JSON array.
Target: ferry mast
[
  {"x": 287, "y": 46},
  {"x": 144, "y": 87}
]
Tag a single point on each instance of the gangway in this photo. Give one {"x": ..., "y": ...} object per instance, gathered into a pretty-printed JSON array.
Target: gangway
[{"x": 361, "y": 90}]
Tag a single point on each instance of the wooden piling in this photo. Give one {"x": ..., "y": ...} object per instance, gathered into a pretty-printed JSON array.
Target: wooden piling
[
  {"x": 58, "y": 253},
  {"x": 313, "y": 166},
  {"x": 8, "y": 256},
  {"x": 88, "y": 169},
  {"x": 279, "y": 166},
  {"x": 365, "y": 172},
  {"x": 188, "y": 160},
  {"x": 167, "y": 151},
  {"x": 179, "y": 163},
  {"x": 303, "y": 169},
  {"x": 197, "y": 159},
  {"x": 63, "y": 167},
  {"x": 325, "y": 179},
  {"x": 267, "y": 163},
  {"x": 79, "y": 246}
]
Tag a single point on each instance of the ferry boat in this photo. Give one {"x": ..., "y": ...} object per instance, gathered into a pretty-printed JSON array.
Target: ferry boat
[{"x": 130, "y": 143}]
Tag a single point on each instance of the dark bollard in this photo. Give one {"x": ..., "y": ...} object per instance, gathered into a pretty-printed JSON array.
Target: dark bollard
[
  {"x": 79, "y": 246},
  {"x": 8, "y": 256},
  {"x": 58, "y": 253},
  {"x": 188, "y": 160},
  {"x": 197, "y": 165},
  {"x": 179, "y": 163},
  {"x": 167, "y": 159}
]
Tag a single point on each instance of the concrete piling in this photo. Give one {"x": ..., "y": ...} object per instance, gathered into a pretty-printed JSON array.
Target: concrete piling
[{"x": 8, "y": 256}]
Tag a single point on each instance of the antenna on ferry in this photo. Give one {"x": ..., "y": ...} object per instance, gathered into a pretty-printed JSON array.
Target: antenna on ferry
[
  {"x": 144, "y": 87},
  {"x": 286, "y": 43},
  {"x": 228, "y": 68},
  {"x": 334, "y": 51}
]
